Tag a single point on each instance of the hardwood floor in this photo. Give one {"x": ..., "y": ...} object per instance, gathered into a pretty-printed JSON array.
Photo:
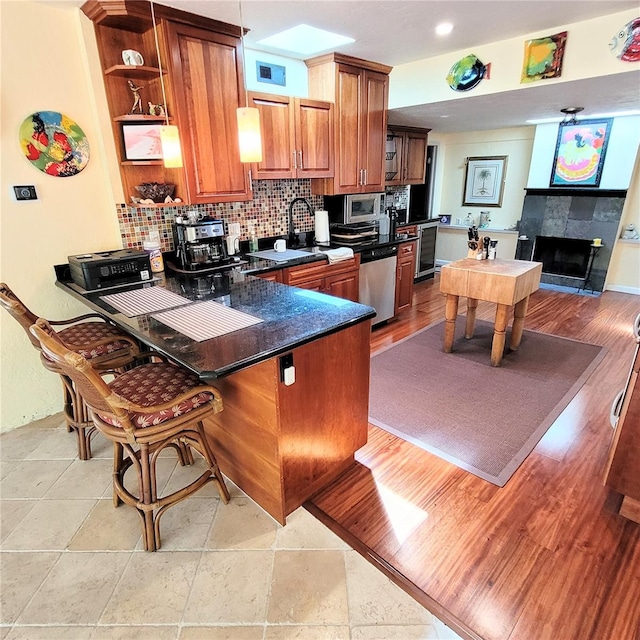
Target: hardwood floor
[{"x": 546, "y": 557}]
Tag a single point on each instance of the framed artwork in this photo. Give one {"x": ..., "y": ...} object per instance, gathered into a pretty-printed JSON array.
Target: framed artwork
[
  {"x": 141, "y": 141},
  {"x": 445, "y": 219},
  {"x": 54, "y": 143},
  {"x": 580, "y": 153},
  {"x": 543, "y": 57},
  {"x": 484, "y": 181}
]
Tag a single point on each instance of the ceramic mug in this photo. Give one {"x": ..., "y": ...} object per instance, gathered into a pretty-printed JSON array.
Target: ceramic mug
[
  {"x": 280, "y": 245},
  {"x": 233, "y": 245}
]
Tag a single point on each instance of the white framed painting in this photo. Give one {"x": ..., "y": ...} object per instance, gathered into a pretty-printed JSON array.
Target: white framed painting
[{"x": 484, "y": 181}]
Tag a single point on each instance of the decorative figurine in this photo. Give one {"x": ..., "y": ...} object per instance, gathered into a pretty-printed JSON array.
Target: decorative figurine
[
  {"x": 156, "y": 109},
  {"x": 137, "y": 100},
  {"x": 630, "y": 232}
]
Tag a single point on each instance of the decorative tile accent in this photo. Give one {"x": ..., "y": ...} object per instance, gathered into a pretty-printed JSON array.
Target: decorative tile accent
[
  {"x": 581, "y": 216},
  {"x": 267, "y": 212}
]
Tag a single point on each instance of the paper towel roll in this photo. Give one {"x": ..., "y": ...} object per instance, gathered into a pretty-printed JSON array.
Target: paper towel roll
[{"x": 322, "y": 226}]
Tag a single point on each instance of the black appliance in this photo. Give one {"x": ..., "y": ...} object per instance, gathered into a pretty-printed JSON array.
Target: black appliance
[
  {"x": 421, "y": 195},
  {"x": 426, "y": 258},
  {"x": 109, "y": 268},
  {"x": 349, "y": 235},
  {"x": 200, "y": 245}
]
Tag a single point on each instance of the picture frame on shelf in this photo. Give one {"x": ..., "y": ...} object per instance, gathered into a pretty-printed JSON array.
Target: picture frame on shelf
[
  {"x": 580, "y": 153},
  {"x": 484, "y": 181},
  {"x": 141, "y": 141}
]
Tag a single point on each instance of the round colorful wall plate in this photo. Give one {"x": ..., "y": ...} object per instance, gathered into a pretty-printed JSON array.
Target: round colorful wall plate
[
  {"x": 54, "y": 143},
  {"x": 466, "y": 73}
]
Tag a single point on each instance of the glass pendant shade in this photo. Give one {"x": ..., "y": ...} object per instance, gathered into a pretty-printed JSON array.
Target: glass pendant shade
[
  {"x": 171, "y": 151},
  {"x": 249, "y": 137}
]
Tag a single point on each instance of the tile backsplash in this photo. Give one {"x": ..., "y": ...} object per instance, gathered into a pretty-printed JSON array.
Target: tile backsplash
[{"x": 267, "y": 212}]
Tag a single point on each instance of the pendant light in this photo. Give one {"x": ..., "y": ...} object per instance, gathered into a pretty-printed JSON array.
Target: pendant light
[
  {"x": 169, "y": 135},
  {"x": 249, "y": 138}
]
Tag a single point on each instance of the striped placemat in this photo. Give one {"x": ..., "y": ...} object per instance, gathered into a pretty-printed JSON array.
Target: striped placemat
[
  {"x": 205, "y": 320},
  {"x": 141, "y": 301}
]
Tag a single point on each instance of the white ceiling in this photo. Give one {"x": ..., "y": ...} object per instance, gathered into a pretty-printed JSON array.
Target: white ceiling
[{"x": 398, "y": 31}]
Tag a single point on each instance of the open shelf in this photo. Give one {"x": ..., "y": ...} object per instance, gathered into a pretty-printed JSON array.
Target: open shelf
[
  {"x": 133, "y": 71},
  {"x": 138, "y": 117}
]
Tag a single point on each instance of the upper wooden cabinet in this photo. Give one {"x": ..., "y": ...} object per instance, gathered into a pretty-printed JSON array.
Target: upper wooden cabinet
[
  {"x": 297, "y": 137},
  {"x": 360, "y": 92},
  {"x": 206, "y": 76},
  {"x": 203, "y": 84},
  {"x": 406, "y": 155}
]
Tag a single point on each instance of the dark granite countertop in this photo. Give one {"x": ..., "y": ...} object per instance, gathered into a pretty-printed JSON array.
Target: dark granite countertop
[
  {"x": 291, "y": 317},
  {"x": 259, "y": 265}
]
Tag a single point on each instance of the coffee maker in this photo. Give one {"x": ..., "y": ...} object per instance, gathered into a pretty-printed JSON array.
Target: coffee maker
[{"x": 200, "y": 244}]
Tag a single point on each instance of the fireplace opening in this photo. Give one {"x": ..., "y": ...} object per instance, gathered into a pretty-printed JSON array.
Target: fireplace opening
[{"x": 562, "y": 256}]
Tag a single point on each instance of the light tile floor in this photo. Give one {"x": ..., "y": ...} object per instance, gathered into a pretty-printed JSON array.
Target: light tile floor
[{"x": 72, "y": 566}]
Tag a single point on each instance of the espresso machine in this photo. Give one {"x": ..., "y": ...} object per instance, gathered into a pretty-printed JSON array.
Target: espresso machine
[{"x": 200, "y": 245}]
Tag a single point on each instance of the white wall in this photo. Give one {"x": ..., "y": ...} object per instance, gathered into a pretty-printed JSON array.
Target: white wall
[
  {"x": 587, "y": 55},
  {"x": 516, "y": 143},
  {"x": 71, "y": 213},
  {"x": 618, "y": 161}
]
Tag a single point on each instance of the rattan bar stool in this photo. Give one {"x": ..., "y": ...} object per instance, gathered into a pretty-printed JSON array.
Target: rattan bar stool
[
  {"x": 107, "y": 347},
  {"x": 143, "y": 411}
]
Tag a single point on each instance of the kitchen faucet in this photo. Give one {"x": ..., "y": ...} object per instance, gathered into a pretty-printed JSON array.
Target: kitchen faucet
[{"x": 293, "y": 237}]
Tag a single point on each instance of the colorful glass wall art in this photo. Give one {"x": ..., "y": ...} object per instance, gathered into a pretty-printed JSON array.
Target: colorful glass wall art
[
  {"x": 54, "y": 143},
  {"x": 543, "y": 57}
]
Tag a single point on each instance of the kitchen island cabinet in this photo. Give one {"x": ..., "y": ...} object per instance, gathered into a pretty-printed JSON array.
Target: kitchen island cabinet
[
  {"x": 279, "y": 442},
  {"x": 360, "y": 90},
  {"x": 340, "y": 279}
]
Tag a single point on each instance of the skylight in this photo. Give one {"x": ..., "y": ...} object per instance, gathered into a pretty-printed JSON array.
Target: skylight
[{"x": 305, "y": 40}]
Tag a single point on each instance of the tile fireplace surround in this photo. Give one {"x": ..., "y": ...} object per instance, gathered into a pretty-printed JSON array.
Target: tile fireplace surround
[{"x": 578, "y": 214}]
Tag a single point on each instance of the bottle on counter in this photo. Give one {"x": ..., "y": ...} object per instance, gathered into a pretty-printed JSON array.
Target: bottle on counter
[
  {"x": 152, "y": 247},
  {"x": 253, "y": 240}
]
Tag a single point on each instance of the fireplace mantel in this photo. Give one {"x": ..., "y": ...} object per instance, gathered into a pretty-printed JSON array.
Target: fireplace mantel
[{"x": 576, "y": 192}]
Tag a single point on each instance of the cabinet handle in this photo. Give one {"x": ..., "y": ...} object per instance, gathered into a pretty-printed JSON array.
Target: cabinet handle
[
  {"x": 250, "y": 181},
  {"x": 295, "y": 164},
  {"x": 365, "y": 176},
  {"x": 301, "y": 165},
  {"x": 360, "y": 182}
]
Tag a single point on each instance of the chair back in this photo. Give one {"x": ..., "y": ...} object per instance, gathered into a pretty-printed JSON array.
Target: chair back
[
  {"x": 93, "y": 389},
  {"x": 17, "y": 309}
]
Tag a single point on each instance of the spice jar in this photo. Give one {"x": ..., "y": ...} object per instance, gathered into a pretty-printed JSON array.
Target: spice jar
[{"x": 155, "y": 255}]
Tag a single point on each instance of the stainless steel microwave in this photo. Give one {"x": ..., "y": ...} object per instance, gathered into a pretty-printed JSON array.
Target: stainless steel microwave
[{"x": 349, "y": 209}]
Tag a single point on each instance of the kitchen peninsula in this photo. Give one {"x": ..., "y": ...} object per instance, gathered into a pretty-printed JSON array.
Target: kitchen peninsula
[{"x": 295, "y": 386}]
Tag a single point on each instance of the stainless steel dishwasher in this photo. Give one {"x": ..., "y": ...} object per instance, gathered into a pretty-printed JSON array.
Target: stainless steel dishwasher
[{"x": 378, "y": 280}]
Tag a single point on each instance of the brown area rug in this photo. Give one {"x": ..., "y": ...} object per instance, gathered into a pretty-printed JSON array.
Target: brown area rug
[{"x": 483, "y": 419}]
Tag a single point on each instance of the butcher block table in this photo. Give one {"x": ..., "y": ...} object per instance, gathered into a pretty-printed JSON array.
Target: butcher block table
[{"x": 506, "y": 282}]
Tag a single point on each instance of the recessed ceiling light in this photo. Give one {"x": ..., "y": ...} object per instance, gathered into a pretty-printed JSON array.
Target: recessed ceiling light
[
  {"x": 444, "y": 28},
  {"x": 305, "y": 40}
]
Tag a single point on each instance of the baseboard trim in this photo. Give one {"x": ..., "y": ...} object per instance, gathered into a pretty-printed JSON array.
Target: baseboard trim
[{"x": 622, "y": 289}]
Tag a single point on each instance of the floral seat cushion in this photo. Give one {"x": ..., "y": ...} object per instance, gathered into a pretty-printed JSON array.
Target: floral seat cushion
[
  {"x": 153, "y": 384},
  {"x": 86, "y": 333}
]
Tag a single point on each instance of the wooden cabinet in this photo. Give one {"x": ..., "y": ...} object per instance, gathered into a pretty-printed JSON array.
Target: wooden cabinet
[
  {"x": 297, "y": 137},
  {"x": 203, "y": 81},
  {"x": 272, "y": 276},
  {"x": 360, "y": 91},
  {"x": 206, "y": 75},
  {"x": 411, "y": 230},
  {"x": 406, "y": 155},
  {"x": 623, "y": 469},
  {"x": 340, "y": 279},
  {"x": 405, "y": 271}
]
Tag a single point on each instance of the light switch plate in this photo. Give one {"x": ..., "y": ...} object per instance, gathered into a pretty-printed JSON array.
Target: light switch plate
[{"x": 25, "y": 192}]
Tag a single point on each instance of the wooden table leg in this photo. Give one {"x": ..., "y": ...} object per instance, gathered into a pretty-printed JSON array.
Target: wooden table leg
[
  {"x": 450, "y": 314},
  {"x": 472, "y": 305},
  {"x": 519, "y": 312},
  {"x": 499, "y": 334}
]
